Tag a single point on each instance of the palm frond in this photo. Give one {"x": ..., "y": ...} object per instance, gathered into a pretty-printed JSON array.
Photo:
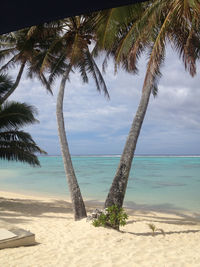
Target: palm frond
[
  {"x": 5, "y": 84},
  {"x": 21, "y": 140},
  {"x": 14, "y": 153},
  {"x": 55, "y": 46},
  {"x": 45, "y": 82},
  {"x": 93, "y": 69},
  {"x": 15, "y": 114},
  {"x": 57, "y": 67},
  {"x": 10, "y": 64},
  {"x": 157, "y": 54},
  {"x": 31, "y": 31},
  {"x": 5, "y": 53},
  {"x": 83, "y": 72},
  {"x": 7, "y": 40}
]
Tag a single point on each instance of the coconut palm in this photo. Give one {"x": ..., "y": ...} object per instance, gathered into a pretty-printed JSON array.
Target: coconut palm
[
  {"x": 72, "y": 53},
  {"x": 160, "y": 22},
  {"x": 65, "y": 49},
  {"x": 26, "y": 47},
  {"x": 16, "y": 144}
]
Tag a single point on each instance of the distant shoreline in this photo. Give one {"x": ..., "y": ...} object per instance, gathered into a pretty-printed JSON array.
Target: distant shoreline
[{"x": 139, "y": 155}]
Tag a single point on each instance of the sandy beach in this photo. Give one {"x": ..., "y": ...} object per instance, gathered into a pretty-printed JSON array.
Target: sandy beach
[{"x": 63, "y": 242}]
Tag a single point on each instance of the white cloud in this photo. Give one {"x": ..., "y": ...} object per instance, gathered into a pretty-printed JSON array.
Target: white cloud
[{"x": 96, "y": 125}]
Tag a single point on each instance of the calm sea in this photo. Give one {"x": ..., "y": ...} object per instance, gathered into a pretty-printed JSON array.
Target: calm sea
[{"x": 162, "y": 182}]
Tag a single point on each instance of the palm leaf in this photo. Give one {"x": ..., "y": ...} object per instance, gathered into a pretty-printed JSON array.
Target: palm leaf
[
  {"x": 15, "y": 114},
  {"x": 5, "y": 84},
  {"x": 4, "y": 53},
  {"x": 96, "y": 74},
  {"x": 10, "y": 64},
  {"x": 57, "y": 68},
  {"x": 13, "y": 152}
]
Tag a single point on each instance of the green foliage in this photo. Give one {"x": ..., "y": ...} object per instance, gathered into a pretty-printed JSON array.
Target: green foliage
[
  {"x": 5, "y": 84},
  {"x": 112, "y": 217},
  {"x": 154, "y": 229},
  {"x": 16, "y": 144}
]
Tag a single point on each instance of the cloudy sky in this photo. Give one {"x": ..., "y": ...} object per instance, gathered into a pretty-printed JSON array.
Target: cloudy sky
[{"x": 96, "y": 125}]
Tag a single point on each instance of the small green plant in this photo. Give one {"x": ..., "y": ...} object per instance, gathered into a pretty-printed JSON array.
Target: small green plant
[
  {"x": 113, "y": 217},
  {"x": 154, "y": 229}
]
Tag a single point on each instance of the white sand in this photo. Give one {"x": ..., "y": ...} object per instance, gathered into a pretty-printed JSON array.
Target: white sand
[{"x": 63, "y": 242}]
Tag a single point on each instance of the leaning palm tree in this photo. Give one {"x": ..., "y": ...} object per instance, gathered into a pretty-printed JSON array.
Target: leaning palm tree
[
  {"x": 65, "y": 49},
  {"x": 16, "y": 144},
  {"x": 71, "y": 52},
  {"x": 175, "y": 22}
]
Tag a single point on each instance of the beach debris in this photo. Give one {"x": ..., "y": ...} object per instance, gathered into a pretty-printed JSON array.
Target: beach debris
[
  {"x": 95, "y": 214},
  {"x": 16, "y": 238}
]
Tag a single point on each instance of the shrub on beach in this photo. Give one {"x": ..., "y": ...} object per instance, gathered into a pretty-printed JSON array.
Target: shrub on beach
[
  {"x": 112, "y": 216},
  {"x": 154, "y": 229}
]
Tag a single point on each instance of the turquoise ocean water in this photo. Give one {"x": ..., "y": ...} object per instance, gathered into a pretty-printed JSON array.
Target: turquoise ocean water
[{"x": 163, "y": 182}]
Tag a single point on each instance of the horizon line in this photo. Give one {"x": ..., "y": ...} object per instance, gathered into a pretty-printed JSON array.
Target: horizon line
[{"x": 117, "y": 154}]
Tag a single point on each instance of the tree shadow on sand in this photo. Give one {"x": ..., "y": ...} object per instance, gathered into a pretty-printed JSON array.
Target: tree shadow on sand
[
  {"x": 15, "y": 210},
  {"x": 145, "y": 212},
  {"x": 12, "y": 209},
  {"x": 158, "y": 233}
]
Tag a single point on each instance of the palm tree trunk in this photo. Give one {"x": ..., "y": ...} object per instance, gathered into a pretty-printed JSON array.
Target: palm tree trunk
[
  {"x": 77, "y": 201},
  {"x": 118, "y": 188},
  {"x": 5, "y": 97}
]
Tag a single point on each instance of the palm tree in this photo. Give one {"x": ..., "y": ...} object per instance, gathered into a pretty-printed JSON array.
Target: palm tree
[
  {"x": 58, "y": 47},
  {"x": 71, "y": 51},
  {"x": 16, "y": 144},
  {"x": 176, "y": 22},
  {"x": 26, "y": 47}
]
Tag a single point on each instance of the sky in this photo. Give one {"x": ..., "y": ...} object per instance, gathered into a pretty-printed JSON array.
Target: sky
[{"x": 96, "y": 125}]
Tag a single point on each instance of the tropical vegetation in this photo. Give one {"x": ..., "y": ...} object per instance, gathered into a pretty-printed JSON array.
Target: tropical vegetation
[
  {"x": 16, "y": 144},
  {"x": 112, "y": 216},
  {"x": 58, "y": 49},
  {"x": 73, "y": 53},
  {"x": 149, "y": 29}
]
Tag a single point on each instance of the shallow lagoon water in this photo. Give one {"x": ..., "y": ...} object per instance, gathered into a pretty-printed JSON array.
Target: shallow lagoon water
[{"x": 161, "y": 182}]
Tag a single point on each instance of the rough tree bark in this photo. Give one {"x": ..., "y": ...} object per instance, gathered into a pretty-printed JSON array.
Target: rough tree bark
[
  {"x": 118, "y": 188},
  {"x": 77, "y": 200}
]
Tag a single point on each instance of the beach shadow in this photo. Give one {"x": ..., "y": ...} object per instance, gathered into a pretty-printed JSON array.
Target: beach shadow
[
  {"x": 132, "y": 221},
  {"x": 93, "y": 204},
  {"x": 12, "y": 209},
  {"x": 158, "y": 233},
  {"x": 145, "y": 212},
  {"x": 184, "y": 220},
  {"x": 15, "y": 210}
]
